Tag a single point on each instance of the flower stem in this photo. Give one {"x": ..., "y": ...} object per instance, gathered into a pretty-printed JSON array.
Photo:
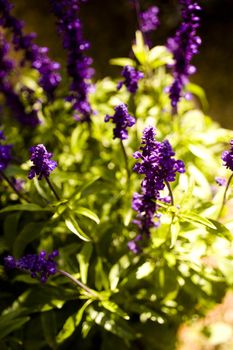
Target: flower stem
[
  {"x": 79, "y": 283},
  {"x": 170, "y": 192},
  {"x": 126, "y": 160},
  {"x": 225, "y": 195},
  {"x": 20, "y": 195},
  {"x": 52, "y": 188}
]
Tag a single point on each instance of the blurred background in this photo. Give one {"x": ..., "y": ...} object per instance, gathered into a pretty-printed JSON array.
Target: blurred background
[{"x": 110, "y": 25}]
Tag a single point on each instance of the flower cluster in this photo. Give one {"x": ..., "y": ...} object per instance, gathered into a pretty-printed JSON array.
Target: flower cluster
[
  {"x": 149, "y": 20},
  {"x": 78, "y": 64},
  {"x": 39, "y": 266},
  {"x": 227, "y": 157},
  {"x": 42, "y": 163},
  {"x": 36, "y": 55},
  {"x": 183, "y": 46},
  {"x": 132, "y": 76},
  {"x": 159, "y": 167},
  {"x": 123, "y": 120},
  {"x": 5, "y": 153}
]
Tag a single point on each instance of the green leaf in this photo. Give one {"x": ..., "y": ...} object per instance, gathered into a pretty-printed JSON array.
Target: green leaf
[
  {"x": 166, "y": 283},
  {"x": 101, "y": 280},
  {"x": 11, "y": 228},
  {"x": 199, "y": 92},
  {"x": 114, "y": 324},
  {"x": 175, "y": 230},
  {"x": 12, "y": 321},
  {"x": 139, "y": 49},
  {"x": 197, "y": 219},
  {"x": 72, "y": 323},
  {"x": 28, "y": 234},
  {"x": 74, "y": 227},
  {"x": 226, "y": 267},
  {"x": 81, "y": 190},
  {"x": 88, "y": 213},
  {"x": 222, "y": 230},
  {"x": 145, "y": 270},
  {"x": 122, "y": 61},
  {"x": 39, "y": 189},
  {"x": 83, "y": 259},
  {"x": 49, "y": 326},
  {"x": 113, "y": 307},
  {"x": 24, "y": 207},
  {"x": 159, "y": 56}
]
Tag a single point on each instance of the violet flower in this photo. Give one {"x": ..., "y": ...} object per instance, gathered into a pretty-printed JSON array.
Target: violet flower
[
  {"x": 42, "y": 163},
  {"x": 184, "y": 45},
  {"x": 36, "y": 55},
  {"x": 40, "y": 266},
  {"x": 5, "y": 153},
  {"x": 132, "y": 76},
  {"x": 149, "y": 20},
  {"x": 78, "y": 66},
  {"x": 157, "y": 164},
  {"x": 221, "y": 181},
  {"x": 227, "y": 157},
  {"x": 123, "y": 120}
]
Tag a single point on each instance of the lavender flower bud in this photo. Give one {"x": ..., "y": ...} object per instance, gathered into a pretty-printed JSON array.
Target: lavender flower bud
[
  {"x": 42, "y": 163},
  {"x": 122, "y": 119},
  {"x": 132, "y": 76}
]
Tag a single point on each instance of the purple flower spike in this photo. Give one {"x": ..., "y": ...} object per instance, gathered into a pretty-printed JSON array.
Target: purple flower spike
[
  {"x": 43, "y": 165},
  {"x": 5, "y": 153},
  {"x": 132, "y": 76},
  {"x": 184, "y": 45},
  {"x": 123, "y": 120},
  {"x": 79, "y": 65},
  {"x": 12, "y": 99},
  {"x": 157, "y": 164},
  {"x": 149, "y": 19},
  {"x": 227, "y": 157},
  {"x": 39, "y": 266}
]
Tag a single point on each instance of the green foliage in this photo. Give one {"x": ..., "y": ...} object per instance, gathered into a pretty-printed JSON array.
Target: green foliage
[{"x": 132, "y": 301}]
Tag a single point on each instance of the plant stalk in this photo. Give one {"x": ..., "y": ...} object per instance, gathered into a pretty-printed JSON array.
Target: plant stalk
[
  {"x": 225, "y": 195},
  {"x": 170, "y": 192},
  {"x": 126, "y": 160},
  {"x": 79, "y": 283},
  {"x": 52, "y": 188},
  {"x": 20, "y": 195}
]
